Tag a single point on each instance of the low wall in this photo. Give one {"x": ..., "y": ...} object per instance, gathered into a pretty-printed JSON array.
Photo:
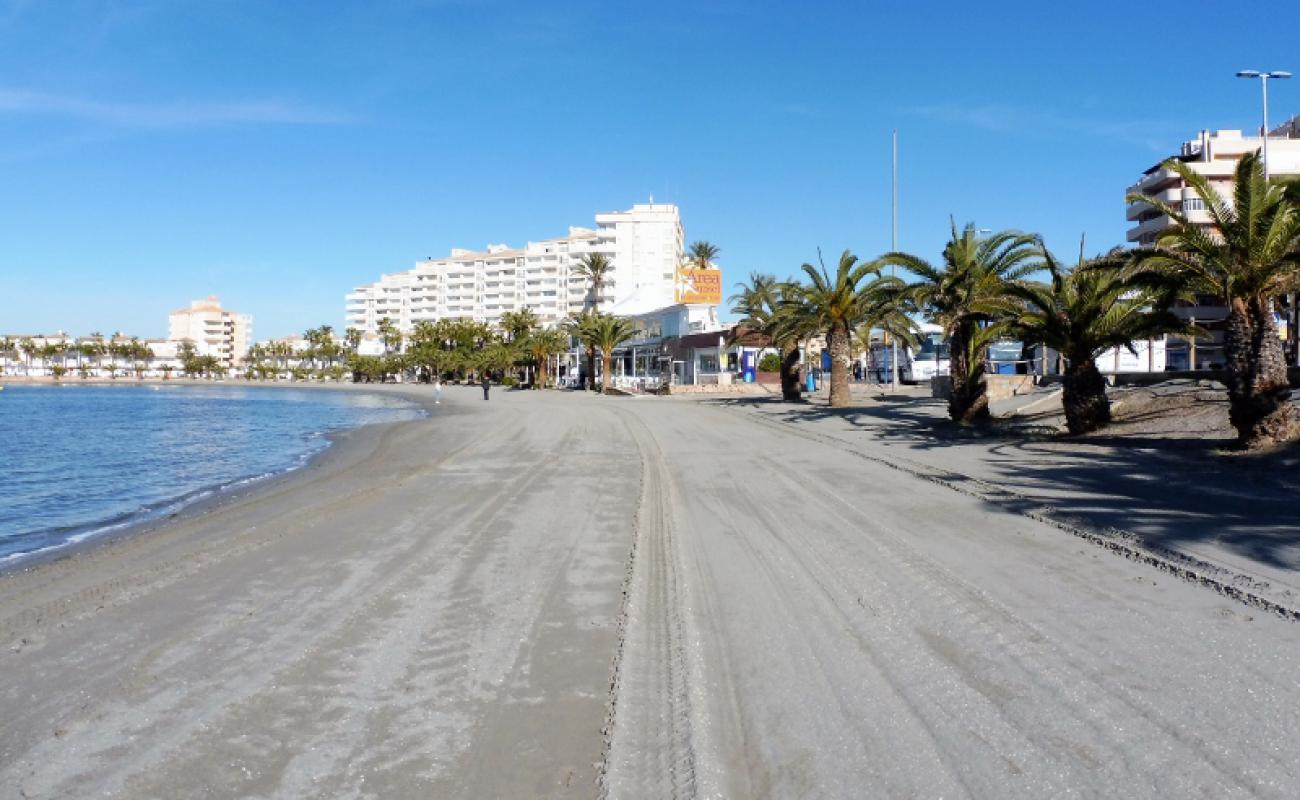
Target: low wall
[
  {"x": 730, "y": 388},
  {"x": 999, "y": 387},
  {"x": 1152, "y": 378}
]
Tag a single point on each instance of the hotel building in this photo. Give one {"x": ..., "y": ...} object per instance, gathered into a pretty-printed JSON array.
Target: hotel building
[
  {"x": 215, "y": 331},
  {"x": 644, "y": 244},
  {"x": 1214, "y": 155}
]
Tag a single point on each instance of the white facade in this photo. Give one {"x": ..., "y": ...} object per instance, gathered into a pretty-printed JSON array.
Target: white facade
[
  {"x": 213, "y": 330},
  {"x": 644, "y": 245},
  {"x": 1214, "y": 155}
]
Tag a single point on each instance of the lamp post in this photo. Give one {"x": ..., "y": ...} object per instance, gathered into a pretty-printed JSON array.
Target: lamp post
[{"x": 1263, "y": 82}]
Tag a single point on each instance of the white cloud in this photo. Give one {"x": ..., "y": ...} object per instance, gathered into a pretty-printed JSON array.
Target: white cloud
[{"x": 166, "y": 115}]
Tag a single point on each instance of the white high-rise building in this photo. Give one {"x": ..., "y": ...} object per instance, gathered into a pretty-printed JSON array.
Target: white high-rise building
[
  {"x": 644, "y": 244},
  {"x": 1214, "y": 155},
  {"x": 215, "y": 331}
]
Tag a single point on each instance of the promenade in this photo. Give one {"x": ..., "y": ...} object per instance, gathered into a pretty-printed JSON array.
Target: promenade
[{"x": 562, "y": 595}]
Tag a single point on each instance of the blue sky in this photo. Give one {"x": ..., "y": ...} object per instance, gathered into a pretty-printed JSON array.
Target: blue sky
[{"x": 277, "y": 154}]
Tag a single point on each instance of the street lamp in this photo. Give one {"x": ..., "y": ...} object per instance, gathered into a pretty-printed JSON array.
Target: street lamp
[{"x": 1263, "y": 81}]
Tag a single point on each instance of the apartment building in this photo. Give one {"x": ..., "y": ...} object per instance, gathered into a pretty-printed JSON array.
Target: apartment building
[
  {"x": 1214, "y": 155},
  {"x": 215, "y": 331},
  {"x": 645, "y": 244}
]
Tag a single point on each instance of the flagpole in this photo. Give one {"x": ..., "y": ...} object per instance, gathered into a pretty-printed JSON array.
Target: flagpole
[{"x": 893, "y": 246}]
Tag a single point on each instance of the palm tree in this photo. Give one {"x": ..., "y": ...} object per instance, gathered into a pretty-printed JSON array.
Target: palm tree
[
  {"x": 28, "y": 346},
  {"x": 583, "y": 328},
  {"x": 389, "y": 335},
  {"x": 1249, "y": 256},
  {"x": 701, "y": 254},
  {"x": 541, "y": 346},
  {"x": 351, "y": 340},
  {"x": 595, "y": 267},
  {"x": 967, "y": 297},
  {"x": 607, "y": 332},
  {"x": 835, "y": 305},
  {"x": 1082, "y": 313},
  {"x": 516, "y": 325},
  {"x": 7, "y": 351},
  {"x": 764, "y": 306}
]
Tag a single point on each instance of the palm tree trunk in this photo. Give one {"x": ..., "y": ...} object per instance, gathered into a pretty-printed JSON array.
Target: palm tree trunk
[
  {"x": 607, "y": 365},
  {"x": 969, "y": 402},
  {"x": 1259, "y": 394},
  {"x": 591, "y": 368},
  {"x": 838, "y": 342},
  {"x": 1083, "y": 396},
  {"x": 790, "y": 373}
]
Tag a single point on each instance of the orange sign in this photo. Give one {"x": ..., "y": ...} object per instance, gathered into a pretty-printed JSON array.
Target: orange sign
[{"x": 699, "y": 286}]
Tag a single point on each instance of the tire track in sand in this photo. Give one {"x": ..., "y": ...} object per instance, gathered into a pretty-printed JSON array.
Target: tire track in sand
[{"x": 651, "y": 744}]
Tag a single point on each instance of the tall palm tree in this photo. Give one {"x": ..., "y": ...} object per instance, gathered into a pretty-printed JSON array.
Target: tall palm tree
[
  {"x": 1249, "y": 256},
  {"x": 595, "y": 268},
  {"x": 7, "y": 351},
  {"x": 351, "y": 340},
  {"x": 701, "y": 254},
  {"x": 966, "y": 297},
  {"x": 541, "y": 346},
  {"x": 389, "y": 335},
  {"x": 835, "y": 304},
  {"x": 29, "y": 347},
  {"x": 608, "y": 331},
  {"x": 1082, "y": 313},
  {"x": 582, "y": 327}
]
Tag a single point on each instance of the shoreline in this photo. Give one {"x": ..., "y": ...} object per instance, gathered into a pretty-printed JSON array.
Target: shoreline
[
  {"x": 207, "y": 500},
  {"x": 408, "y": 605}
]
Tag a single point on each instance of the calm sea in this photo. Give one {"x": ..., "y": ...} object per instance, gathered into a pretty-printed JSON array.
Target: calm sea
[{"x": 77, "y": 461}]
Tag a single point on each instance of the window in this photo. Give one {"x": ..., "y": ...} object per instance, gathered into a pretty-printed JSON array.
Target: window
[{"x": 1193, "y": 204}]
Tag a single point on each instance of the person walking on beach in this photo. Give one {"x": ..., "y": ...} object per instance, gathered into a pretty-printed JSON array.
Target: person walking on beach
[
  {"x": 437, "y": 390},
  {"x": 486, "y": 385}
]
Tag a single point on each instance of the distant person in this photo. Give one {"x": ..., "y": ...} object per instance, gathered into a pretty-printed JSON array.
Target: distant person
[
  {"x": 437, "y": 390},
  {"x": 487, "y": 384}
]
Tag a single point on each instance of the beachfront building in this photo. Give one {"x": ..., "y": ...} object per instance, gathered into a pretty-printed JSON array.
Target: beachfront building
[
  {"x": 61, "y": 355},
  {"x": 644, "y": 244},
  {"x": 213, "y": 330},
  {"x": 1215, "y": 156},
  {"x": 680, "y": 343}
]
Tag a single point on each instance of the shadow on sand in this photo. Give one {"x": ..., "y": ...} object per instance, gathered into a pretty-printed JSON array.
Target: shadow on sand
[{"x": 1170, "y": 493}]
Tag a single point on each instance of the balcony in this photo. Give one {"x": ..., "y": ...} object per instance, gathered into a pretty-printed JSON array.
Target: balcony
[
  {"x": 1150, "y": 226},
  {"x": 1136, "y": 208}
]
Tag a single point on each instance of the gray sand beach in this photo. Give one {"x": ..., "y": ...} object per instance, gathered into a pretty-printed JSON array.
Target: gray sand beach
[{"x": 562, "y": 595}]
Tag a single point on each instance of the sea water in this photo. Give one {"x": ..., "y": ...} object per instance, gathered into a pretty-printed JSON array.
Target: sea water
[{"x": 79, "y": 461}]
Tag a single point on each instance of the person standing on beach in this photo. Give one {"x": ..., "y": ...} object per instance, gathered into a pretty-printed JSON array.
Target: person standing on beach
[
  {"x": 437, "y": 390},
  {"x": 486, "y": 385}
]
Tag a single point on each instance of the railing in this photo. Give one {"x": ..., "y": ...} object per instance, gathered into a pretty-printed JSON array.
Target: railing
[{"x": 638, "y": 383}]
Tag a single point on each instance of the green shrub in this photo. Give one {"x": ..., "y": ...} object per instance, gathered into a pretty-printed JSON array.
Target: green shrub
[{"x": 771, "y": 362}]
